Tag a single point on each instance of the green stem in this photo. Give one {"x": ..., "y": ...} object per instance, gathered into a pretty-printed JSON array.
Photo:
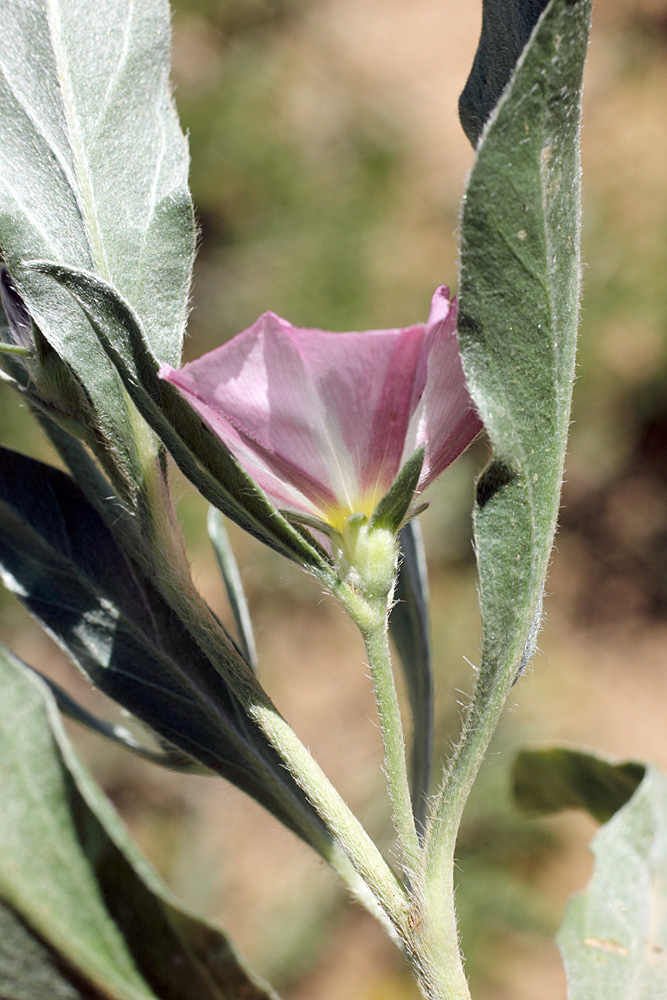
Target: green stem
[
  {"x": 436, "y": 955},
  {"x": 372, "y": 619},
  {"x": 16, "y": 349},
  {"x": 376, "y": 640},
  {"x": 433, "y": 947},
  {"x": 345, "y": 828},
  {"x": 355, "y": 852},
  {"x": 493, "y": 686}
]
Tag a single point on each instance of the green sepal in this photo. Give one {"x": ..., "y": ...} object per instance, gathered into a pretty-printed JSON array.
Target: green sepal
[{"x": 394, "y": 506}]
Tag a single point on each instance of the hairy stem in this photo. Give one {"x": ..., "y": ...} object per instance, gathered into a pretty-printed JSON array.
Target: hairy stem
[
  {"x": 436, "y": 955},
  {"x": 374, "y": 629},
  {"x": 345, "y": 828},
  {"x": 491, "y": 691}
]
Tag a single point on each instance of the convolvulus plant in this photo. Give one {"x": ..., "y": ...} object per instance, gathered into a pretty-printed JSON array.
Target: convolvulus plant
[{"x": 319, "y": 445}]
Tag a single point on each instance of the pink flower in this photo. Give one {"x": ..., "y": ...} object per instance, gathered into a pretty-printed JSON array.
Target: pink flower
[{"x": 323, "y": 421}]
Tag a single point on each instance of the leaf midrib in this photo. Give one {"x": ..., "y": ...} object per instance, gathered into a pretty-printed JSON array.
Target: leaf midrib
[{"x": 84, "y": 192}]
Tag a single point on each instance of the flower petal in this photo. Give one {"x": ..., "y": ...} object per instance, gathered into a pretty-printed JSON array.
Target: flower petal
[
  {"x": 318, "y": 419},
  {"x": 368, "y": 385},
  {"x": 283, "y": 493},
  {"x": 18, "y": 317},
  {"x": 255, "y": 394},
  {"x": 325, "y": 421},
  {"x": 446, "y": 421}
]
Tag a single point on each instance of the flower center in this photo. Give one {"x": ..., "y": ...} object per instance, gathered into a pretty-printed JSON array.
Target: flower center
[{"x": 341, "y": 516}]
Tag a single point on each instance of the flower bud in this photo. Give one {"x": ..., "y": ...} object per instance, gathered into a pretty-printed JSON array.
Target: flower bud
[{"x": 366, "y": 558}]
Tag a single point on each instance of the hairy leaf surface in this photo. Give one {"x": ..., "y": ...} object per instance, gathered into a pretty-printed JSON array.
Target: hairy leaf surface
[
  {"x": 93, "y": 174},
  {"x": 614, "y": 936},
  {"x": 518, "y": 314}
]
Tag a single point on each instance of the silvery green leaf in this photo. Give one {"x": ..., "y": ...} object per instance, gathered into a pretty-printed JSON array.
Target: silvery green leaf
[
  {"x": 83, "y": 916},
  {"x": 518, "y": 314},
  {"x": 506, "y": 27},
  {"x": 93, "y": 174},
  {"x": 549, "y": 779},
  {"x": 409, "y": 630},
  {"x": 94, "y": 164},
  {"x": 233, "y": 585},
  {"x": 614, "y": 935}
]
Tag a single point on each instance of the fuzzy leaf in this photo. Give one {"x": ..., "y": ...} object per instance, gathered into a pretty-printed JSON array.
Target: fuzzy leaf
[
  {"x": 93, "y": 174},
  {"x": 518, "y": 312},
  {"x": 614, "y": 936},
  {"x": 82, "y": 913}
]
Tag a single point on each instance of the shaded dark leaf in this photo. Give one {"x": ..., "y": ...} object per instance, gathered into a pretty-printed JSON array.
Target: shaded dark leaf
[
  {"x": 506, "y": 28},
  {"x": 548, "y": 780},
  {"x": 409, "y": 629},
  {"x": 61, "y": 561}
]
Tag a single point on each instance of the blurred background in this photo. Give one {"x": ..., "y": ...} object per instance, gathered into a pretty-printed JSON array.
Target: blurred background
[{"x": 328, "y": 165}]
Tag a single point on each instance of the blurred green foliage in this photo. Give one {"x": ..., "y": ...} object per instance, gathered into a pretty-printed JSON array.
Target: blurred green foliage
[{"x": 285, "y": 211}]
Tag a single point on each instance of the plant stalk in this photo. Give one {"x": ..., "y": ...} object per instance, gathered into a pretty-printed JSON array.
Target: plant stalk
[
  {"x": 374, "y": 630},
  {"x": 436, "y": 956}
]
